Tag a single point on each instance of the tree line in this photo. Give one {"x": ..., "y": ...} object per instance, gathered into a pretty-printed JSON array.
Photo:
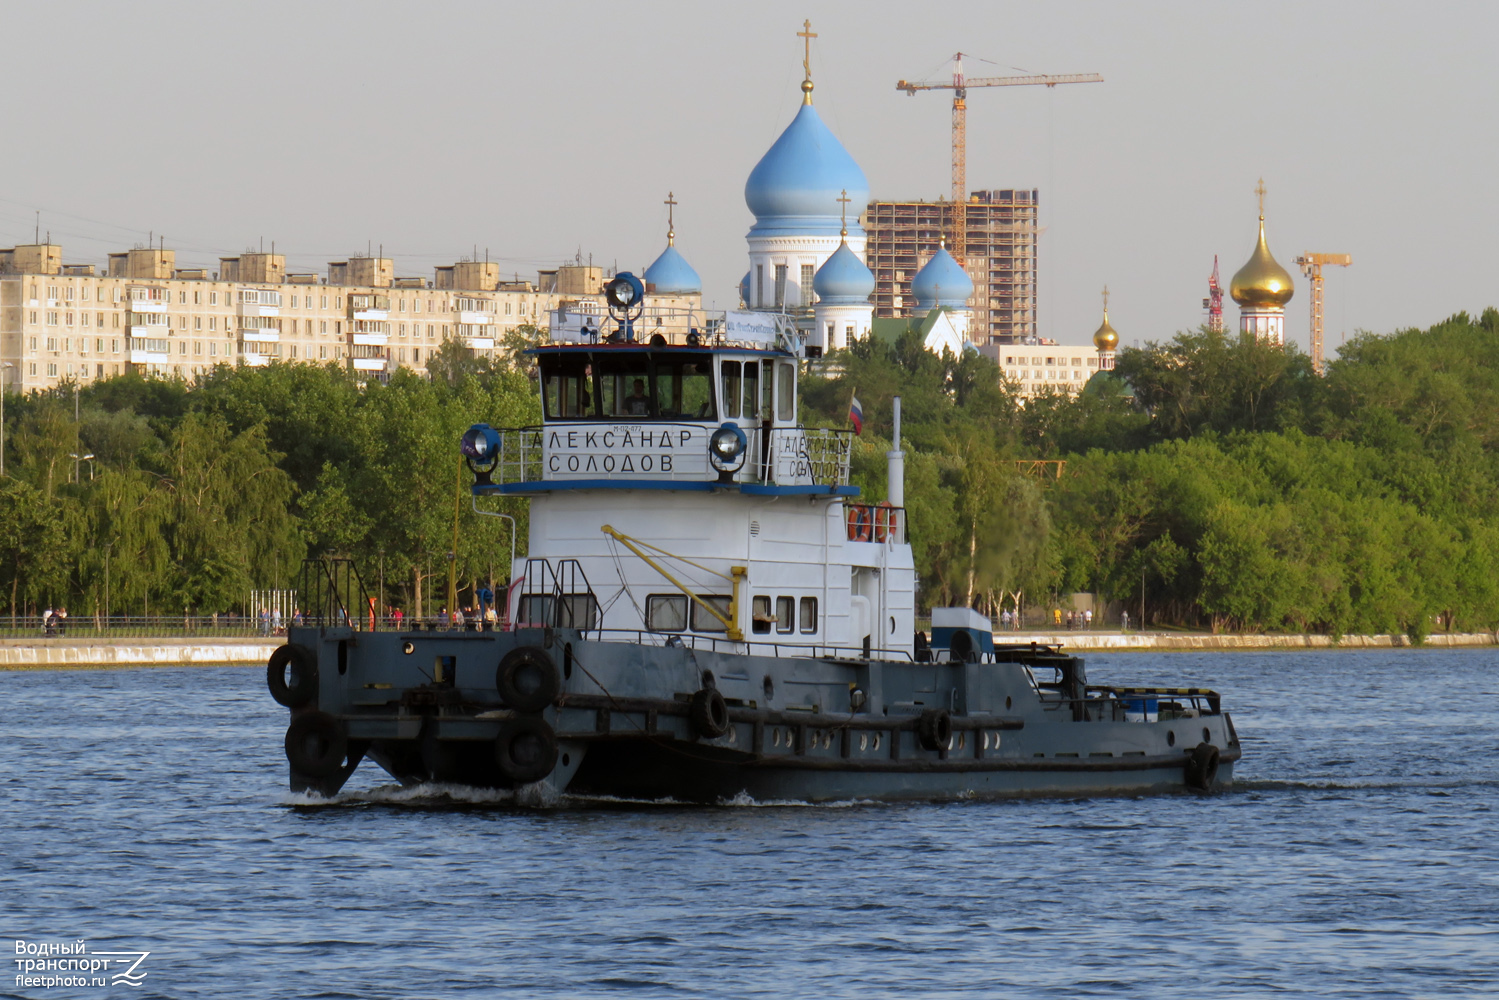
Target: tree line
[{"x": 1216, "y": 478}]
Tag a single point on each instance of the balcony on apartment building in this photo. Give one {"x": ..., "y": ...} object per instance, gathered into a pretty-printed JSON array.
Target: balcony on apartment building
[
  {"x": 369, "y": 332},
  {"x": 149, "y": 350},
  {"x": 375, "y": 308},
  {"x": 257, "y": 302},
  {"x": 368, "y": 358},
  {"x": 147, "y": 299}
]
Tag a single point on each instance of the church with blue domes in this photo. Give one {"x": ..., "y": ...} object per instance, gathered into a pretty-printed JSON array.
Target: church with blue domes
[{"x": 807, "y": 251}]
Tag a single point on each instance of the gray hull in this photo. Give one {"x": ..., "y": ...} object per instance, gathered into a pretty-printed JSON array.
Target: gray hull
[{"x": 549, "y": 707}]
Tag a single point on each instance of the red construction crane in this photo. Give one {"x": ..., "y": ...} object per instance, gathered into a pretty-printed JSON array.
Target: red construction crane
[
  {"x": 1214, "y": 302},
  {"x": 959, "y": 86}
]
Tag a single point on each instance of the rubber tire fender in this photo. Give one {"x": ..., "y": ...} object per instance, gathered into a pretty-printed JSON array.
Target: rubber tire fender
[
  {"x": 934, "y": 729},
  {"x": 304, "y": 680},
  {"x": 709, "y": 713},
  {"x": 316, "y": 744},
  {"x": 526, "y": 749},
  {"x": 1202, "y": 767},
  {"x": 527, "y": 679}
]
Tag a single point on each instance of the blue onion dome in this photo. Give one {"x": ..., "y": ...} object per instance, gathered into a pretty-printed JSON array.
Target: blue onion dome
[
  {"x": 794, "y": 189},
  {"x": 672, "y": 275},
  {"x": 942, "y": 282},
  {"x": 843, "y": 280},
  {"x": 744, "y": 288}
]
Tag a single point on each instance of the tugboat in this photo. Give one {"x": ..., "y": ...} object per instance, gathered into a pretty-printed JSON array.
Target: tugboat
[{"x": 709, "y": 611}]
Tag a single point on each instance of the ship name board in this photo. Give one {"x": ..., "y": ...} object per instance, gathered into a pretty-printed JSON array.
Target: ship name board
[{"x": 627, "y": 449}]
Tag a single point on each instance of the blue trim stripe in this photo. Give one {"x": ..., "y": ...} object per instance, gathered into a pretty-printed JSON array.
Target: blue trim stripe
[{"x": 752, "y": 489}]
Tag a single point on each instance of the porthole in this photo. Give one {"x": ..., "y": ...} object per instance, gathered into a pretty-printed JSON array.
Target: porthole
[
  {"x": 986, "y": 741},
  {"x": 1207, "y": 735},
  {"x": 1008, "y": 703},
  {"x": 566, "y": 760},
  {"x": 962, "y": 740},
  {"x": 876, "y": 741},
  {"x": 1170, "y": 738},
  {"x": 770, "y": 688},
  {"x": 775, "y": 737},
  {"x": 863, "y": 741},
  {"x": 408, "y": 647}
]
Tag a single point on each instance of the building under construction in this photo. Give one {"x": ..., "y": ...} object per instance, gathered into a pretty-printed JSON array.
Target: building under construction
[{"x": 1000, "y": 258}]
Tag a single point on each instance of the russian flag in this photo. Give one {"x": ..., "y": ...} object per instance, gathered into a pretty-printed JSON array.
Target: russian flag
[{"x": 856, "y": 414}]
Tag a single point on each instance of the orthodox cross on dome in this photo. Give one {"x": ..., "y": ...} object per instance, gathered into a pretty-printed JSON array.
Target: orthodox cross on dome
[
  {"x": 807, "y": 34},
  {"x": 845, "y": 199},
  {"x": 671, "y": 229},
  {"x": 1259, "y": 189},
  {"x": 1105, "y": 300}
]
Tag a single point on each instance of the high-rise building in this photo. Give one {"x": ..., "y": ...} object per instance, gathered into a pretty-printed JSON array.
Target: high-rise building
[{"x": 1001, "y": 258}]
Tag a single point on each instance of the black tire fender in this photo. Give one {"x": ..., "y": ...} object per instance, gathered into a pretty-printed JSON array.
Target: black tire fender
[
  {"x": 527, "y": 679},
  {"x": 316, "y": 744},
  {"x": 934, "y": 729},
  {"x": 1202, "y": 767},
  {"x": 526, "y": 749},
  {"x": 302, "y": 687},
  {"x": 709, "y": 713}
]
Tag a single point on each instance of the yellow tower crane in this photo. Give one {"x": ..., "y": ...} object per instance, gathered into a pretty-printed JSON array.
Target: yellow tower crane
[
  {"x": 959, "y": 86},
  {"x": 1311, "y": 266}
]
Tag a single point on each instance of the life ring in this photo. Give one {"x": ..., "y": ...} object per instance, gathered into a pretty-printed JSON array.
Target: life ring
[
  {"x": 526, "y": 749},
  {"x": 934, "y": 729},
  {"x": 858, "y": 523},
  {"x": 709, "y": 713},
  {"x": 527, "y": 679},
  {"x": 1202, "y": 767},
  {"x": 302, "y": 685},
  {"x": 884, "y": 520},
  {"x": 316, "y": 744}
]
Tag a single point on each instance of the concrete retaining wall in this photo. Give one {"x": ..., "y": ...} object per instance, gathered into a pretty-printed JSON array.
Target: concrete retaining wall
[
  {"x": 1125, "y": 642},
  {"x": 103, "y": 654}
]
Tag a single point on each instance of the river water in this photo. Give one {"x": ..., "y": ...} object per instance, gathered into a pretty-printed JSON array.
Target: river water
[{"x": 145, "y": 810}]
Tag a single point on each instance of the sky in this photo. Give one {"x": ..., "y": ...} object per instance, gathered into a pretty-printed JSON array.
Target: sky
[{"x": 538, "y": 132}]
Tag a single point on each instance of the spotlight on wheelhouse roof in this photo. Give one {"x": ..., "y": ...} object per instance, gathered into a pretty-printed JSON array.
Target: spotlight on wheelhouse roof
[{"x": 624, "y": 292}]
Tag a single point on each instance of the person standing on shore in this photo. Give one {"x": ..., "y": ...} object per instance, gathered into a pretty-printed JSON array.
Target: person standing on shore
[{"x": 1124, "y": 621}]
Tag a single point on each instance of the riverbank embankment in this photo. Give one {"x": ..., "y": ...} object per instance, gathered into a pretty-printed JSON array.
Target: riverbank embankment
[
  {"x": 111, "y": 653},
  {"x": 1123, "y": 642}
]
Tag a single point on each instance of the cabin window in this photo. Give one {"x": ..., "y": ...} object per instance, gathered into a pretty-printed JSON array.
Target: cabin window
[
  {"x": 579, "y": 611},
  {"x": 785, "y": 614},
  {"x": 666, "y": 612},
  {"x": 786, "y": 392},
  {"x": 809, "y": 615},
  {"x": 767, "y": 390},
  {"x": 761, "y": 616},
  {"x": 702, "y": 620}
]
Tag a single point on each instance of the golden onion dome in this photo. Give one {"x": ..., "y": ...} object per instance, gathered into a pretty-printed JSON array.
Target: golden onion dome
[
  {"x": 1107, "y": 338},
  {"x": 1261, "y": 282}
]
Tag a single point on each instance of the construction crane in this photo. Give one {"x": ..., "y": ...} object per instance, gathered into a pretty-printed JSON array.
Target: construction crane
[
  {"x": 1311, "y": 266},
  {"x": 959, "y": 86},
  {"x": 1214, "y": 302}
]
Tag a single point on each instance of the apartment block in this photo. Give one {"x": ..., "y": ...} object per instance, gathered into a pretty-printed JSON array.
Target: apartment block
[
  {"x": 1001, "y": 258},
  {"x": 63, "y": 322}
]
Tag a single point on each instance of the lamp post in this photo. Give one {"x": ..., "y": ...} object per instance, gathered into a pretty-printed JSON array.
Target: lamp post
[
  {"x": 89, "y": 458},
  {"x": 4, "y": 385},
  {"x": 77, "y": 433}
]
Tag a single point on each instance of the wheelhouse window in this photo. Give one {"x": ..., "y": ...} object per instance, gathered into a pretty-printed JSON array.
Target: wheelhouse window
[
  {"x": 631, "y": 385},
  {"x": 741, "y": 389},
  {"x": 786, "y": 392}
]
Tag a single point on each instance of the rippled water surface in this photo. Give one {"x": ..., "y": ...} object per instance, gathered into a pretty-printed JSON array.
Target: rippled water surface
[{"x": 146, "y": 810}]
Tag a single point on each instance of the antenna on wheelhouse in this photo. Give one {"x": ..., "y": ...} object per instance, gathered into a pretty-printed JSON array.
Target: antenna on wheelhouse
[{"x": 896, "y": 469}]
